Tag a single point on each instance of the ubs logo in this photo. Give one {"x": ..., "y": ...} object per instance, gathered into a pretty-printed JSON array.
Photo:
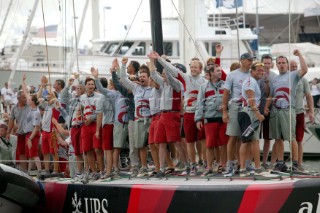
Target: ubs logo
[{"x": 91, "y": 204}]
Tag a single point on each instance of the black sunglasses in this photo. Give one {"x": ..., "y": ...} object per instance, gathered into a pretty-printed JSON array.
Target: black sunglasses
[{"x": 266, "y": 56}]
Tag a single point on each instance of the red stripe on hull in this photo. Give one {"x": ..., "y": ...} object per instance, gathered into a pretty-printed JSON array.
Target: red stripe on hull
[{"x": 145, "y": 198}]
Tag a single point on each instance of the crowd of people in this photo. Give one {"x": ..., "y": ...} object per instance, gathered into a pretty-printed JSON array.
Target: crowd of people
[{"x": 190, "y": 123}]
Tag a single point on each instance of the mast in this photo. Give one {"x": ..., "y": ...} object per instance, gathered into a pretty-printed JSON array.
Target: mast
[
  {"x": 74, "y": 55},
  {"x": 189, "y": 14},
  {"x": 24, "y": 39},
  {"x": 95, "y": 6},
  {"x": 156, "y": 29},
  {"x": 5, "y": 18}
]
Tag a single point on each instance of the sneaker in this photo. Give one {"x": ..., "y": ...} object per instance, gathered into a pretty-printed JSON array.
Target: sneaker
[
  {"x": 215, "y": 167},
  {"x": 152, "y": 174},
  {"x": 265, "y": 166},
  {"x": 200, "y": 168},
  {"x": 96, "y": 176},
  {"x": 281, "y": 166},
  {"x": 205, "y": 165},
  {"x": 228, "y": 170},
  {"x": 134, "y": 171},
  {"x": 85, "y": 178},
  {"x": 194, "y": 170},
  {"x": 143, "y": 172},
  {"x": 116, "y": 173},
  {"x": 250, "y": 169},
  {"x": 186, "y": 171},
  {"x": 200, "y": 162},
  {"x": 236, "y": 166},
  {"x": 169, "y": 171},
  {"x": 300, "y": 168},
  {"x": 78, "y": 177},
  {"x": 160, "y": 174},
  {"x": 258, "y": 171},
  {"x": 294, "y": 166},
  {"x": 180, "y": 167},
  {"x": 106, "y": 176},
  {"x": 244, "y": 173},
  {"x": 90, "y": 175},
  {"x": 237, "y": 170},
  {"x": 207, "y": 173}
]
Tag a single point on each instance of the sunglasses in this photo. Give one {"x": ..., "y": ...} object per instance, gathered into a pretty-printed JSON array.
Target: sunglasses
[
  {"x": 210, "y": 64},
  {"x": 266, "y": 56},
  {"x": 258, "y": 65}
]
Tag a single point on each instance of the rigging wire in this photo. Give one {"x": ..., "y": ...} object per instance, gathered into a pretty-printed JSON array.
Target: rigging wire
[
  {"x": 45, "y": 39},
  {"x": 290, "y": 91},
  {"x": 75, "y": 35},
  {"x": 135, "y": 15},
  {"x": 12, "y": 22},
  {"x": 185, "y": 27},
  {"x": 237, "y": 22}
]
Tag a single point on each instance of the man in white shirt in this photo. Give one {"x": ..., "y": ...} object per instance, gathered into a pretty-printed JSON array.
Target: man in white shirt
[{"x": 6, "y": 97}]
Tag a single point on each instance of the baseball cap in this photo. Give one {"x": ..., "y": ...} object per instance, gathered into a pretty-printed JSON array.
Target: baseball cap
[
  {"x": 181, "y": 67},
  {"x": 246, "y": 56}
]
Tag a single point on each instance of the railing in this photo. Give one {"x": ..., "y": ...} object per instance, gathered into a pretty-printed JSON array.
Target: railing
[{"x": 224, "y": 22}]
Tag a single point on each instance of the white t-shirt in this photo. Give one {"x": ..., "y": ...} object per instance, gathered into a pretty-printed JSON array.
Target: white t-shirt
[
  {"x": 7, "y": 93},
  {"x": 315, "y": 90}
]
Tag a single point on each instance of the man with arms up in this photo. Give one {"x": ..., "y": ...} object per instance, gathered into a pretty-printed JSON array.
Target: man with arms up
[{"x": 283, "y": 91}]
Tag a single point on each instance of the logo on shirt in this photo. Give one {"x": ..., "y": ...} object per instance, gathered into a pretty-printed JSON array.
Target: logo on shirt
[
  {"x": 193, "y": 97},
  {"x": 143, "y": 105},
  {"x": 282, "y": 94}
]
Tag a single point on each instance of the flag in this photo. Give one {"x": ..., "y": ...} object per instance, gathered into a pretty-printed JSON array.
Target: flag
[
  {"x": 230, "y": 4},
  {"x": 50, "y": 31}
]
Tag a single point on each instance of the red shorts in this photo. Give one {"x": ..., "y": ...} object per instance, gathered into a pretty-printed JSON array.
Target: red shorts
[
  {"x": 21, "y": 145},
  {"x": 88, "y": 138},
  {"x": 168, "y": 128},
  {"x": 190, "y": 129},
  {"x": 48, "y": 146},
  {"x": 152, "y": 129},
  {"x": 216, "y": 134},
  {"x": 107, "y": 137},
  {"x": 76, "y": 140},
  {"x": 265, "y": 127},
  {"x": 33, "y": 152},
  {"x": 299, "y": 127},
  {"x": 63, "y": 165}
]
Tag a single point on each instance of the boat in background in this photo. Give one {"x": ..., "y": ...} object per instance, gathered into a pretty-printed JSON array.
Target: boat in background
[
  {"x": 311, "y": 52},
  {"x": 138, "y": 44}
]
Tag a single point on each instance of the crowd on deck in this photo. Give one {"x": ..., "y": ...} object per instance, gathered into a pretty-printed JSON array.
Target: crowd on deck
[{"x": 172, "y": 121}]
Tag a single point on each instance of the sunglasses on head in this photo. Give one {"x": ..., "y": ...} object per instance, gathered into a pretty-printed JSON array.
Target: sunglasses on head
[
  {"x": 258, "y": 64},
  {"x": 266, "y": 56}
]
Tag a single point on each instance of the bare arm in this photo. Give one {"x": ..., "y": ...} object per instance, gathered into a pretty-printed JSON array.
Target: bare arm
[
  {"x": 310, "y": 107},
  {"x": 35, "y": 130},
  {"x": 99, "y": 124},
  {"x": 59, "y": 128},
  {"x": 267, "y": 106},
  {"x": 253, "y": 105},
  {"x": 10, "y": 127},
  {"x": 24, "y": 86},
  {"x": 44, "y": 82},
  {"x": 225, "y": 99},
  {"x": 303, "y": 64}
]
